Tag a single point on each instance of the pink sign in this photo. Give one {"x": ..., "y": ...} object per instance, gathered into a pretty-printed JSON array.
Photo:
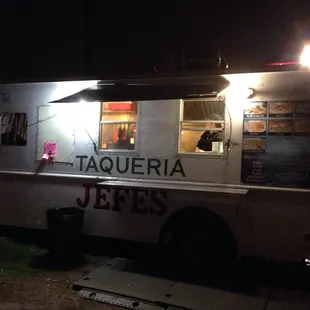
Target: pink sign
[{"x": 50, "y": 150}]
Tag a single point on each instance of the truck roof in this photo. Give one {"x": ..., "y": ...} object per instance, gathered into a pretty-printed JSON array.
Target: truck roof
[{"x": 270, "y": 67}]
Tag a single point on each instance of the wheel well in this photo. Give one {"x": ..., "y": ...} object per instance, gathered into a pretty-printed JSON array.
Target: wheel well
[{"x": 198, "y": 216}]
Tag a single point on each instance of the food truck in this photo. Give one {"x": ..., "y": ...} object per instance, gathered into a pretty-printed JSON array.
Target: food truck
[{"x": 210, "y": 167}]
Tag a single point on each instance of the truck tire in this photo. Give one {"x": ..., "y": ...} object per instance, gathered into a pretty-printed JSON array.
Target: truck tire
[{"x": 197, "y": 239}]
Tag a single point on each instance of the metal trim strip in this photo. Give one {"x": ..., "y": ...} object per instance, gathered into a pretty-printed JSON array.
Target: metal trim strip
[{"x": 214, "y": 187}]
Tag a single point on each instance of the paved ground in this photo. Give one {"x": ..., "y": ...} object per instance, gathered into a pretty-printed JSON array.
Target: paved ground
[{"x": 252, "y": 286}]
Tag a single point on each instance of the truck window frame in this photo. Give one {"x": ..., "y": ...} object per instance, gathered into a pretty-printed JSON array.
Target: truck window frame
[
  {"x": 137, "y": 134},
  {"x": 225, "y": 129},
  {"x": 14, "y": 113}
]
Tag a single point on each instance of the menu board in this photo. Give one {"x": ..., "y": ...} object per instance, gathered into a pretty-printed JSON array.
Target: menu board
[{"x": 276, "y": 144}]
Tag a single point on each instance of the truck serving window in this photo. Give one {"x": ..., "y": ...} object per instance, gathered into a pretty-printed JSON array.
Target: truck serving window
[
  {"x": 202, "y": 126},
  {"x": 13, "y": 129},
  {"x": 118, "y": 125}
]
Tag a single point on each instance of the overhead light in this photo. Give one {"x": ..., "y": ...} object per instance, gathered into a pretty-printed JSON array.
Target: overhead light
[
  {"x": 240, "y": 91},
  {"x": 250, "y": 93},
  {"x": 305, "y": 56}
]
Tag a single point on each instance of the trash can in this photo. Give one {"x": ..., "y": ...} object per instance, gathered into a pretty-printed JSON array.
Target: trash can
[{"x": 65, "y": 226}]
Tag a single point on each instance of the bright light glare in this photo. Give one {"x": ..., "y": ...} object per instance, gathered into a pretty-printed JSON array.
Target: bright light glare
[
  {"x": 77, "y": 119},
  {"x": 305, "y": 56},
  {"x": 250, "y": 92},
  {"x": 63, "y": 89},
  {"x": 240, "y": 91}
]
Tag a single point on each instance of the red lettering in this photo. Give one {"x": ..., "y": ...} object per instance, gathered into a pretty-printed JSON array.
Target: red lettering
[
  {"x": 84, "y": 204},
  {"x": 101, "y": 196}
]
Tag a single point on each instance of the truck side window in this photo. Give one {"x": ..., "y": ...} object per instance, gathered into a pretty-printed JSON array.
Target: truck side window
[
  {"x": 202, "y": 126},
  {"x": 13, "y": 129},
  {"x": 118, "y": 125}
]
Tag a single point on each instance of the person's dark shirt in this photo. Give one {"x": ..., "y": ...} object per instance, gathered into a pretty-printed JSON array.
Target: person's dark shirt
[{"x": 205, "y": 141}]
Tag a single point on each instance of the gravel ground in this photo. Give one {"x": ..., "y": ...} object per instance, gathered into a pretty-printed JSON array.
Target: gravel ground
[{"x": 48, "y": 290}]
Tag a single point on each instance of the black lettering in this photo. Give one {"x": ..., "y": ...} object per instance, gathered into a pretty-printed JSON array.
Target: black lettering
[
  {"x": 118, "y": 199},
  {"x": 138, "y": 202},
  {"x": 81, "y": 160},
  {"x": 119, "y": 170},
  {"x": 86, "y": 196},
  {"x": 166, "y": 167},
  {"x": 153, "y": 164},
  {"x": 177, "y": 168},
  {"x": 135, "y": 165},
  {"x": 161, "y": 206},
  {"x": 92, "y": 164},
  {"x": 101, "y": 196},
  {"x": 109, "y": 168}
]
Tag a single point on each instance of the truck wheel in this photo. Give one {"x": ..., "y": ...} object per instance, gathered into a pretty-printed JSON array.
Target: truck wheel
[{"x": 198, "y": 241}]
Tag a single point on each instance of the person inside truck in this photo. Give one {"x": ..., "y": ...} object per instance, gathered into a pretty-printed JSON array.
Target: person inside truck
[{"x": 205, "y": 142}]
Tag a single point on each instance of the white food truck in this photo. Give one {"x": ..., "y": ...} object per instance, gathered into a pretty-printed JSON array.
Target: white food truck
[{"x": 208, "y": 166}]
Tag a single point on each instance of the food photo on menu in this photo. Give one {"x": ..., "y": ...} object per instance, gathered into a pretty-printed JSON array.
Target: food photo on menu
[
  {"x": 281, "y": 108},
  {"x": 302, "y": 127},
  {"x": 254, "y": 144},
  {"x": 302, "y": 108},
  {"x": 257, "y": 109},
  {"x": 254, "y": 127},
  {"x": 276, "y": 127}
]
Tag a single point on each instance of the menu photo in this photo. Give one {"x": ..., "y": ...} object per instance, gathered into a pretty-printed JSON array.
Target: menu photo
[
  {"x": 302, "y": 108},
  {"x": 302, "y": 128},
  {"x": 256, "y": 144},
  {"x": 280, "y": 127},
  {"x": 256, "y": 109},
  {"x": 254, "y": 127},
  {"x": 281, "y": 108}
]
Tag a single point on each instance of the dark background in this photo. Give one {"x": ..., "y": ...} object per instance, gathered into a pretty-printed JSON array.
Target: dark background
[{"x": 73, "y": 39}]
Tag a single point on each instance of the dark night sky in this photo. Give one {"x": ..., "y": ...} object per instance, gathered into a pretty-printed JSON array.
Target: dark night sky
[{"x": 58, "y": 39}]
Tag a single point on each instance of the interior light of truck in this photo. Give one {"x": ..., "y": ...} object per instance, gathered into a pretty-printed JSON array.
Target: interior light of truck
[
  {"x": 119, "y": 106},
  {"x": 305, "y": 56}
]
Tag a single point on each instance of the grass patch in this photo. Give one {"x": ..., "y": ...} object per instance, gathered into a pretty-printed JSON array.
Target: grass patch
[{"x": 16, "y": 258}]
